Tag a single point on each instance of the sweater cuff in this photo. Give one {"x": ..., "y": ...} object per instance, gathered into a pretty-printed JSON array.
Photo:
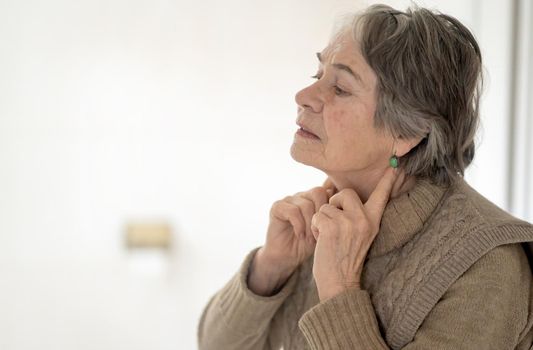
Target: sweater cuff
[
  {"x": 346, "y": 321},
  {"x": 243, "y": 309}
]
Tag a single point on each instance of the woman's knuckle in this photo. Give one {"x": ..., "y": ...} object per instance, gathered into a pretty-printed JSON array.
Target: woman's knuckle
[
  {"x": 307, "y": 203},
  {"x": 347, "y": 191},
  {"x": 324, "y": 207},
  {"x": 304, "y": 204},
  {"x": 275, "y": 206},
  {"x": 293, "y": 210}
]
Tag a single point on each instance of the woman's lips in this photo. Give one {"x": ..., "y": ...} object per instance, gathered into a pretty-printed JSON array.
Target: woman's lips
[{"x": 304, "y": 133}]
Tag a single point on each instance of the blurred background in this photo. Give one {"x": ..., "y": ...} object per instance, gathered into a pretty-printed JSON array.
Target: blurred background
[{"x": 142, "y": 144}]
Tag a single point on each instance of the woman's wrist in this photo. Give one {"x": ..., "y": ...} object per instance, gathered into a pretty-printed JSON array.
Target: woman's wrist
[
  {"x": 266, "y": 276},
  {"x": 336, "y": 290}
]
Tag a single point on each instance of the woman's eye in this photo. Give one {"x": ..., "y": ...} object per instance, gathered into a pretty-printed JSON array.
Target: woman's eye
[{"x": 340, "y": 92}]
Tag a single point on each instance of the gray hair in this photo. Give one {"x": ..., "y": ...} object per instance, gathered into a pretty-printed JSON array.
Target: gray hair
[{"x": 429, "y": 80}]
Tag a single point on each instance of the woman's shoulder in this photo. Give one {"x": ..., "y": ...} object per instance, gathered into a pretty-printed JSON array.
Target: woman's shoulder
[
  {"x": 505, "y": 265},
  {"x": 478, "y": 205},
  {"x": 497, "y": 237},
  {"x": 491, "y": 299},
  {"x": 502, "y": 279}
]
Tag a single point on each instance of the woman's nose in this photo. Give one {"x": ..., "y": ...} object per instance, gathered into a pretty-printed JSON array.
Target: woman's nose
[{"x": 309, "y": 99}]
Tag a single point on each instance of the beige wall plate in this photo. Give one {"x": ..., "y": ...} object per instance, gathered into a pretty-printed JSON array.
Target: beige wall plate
[{"x": 148, "y": 235}]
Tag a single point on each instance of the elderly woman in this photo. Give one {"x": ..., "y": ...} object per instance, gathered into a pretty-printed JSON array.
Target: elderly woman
[{"x": 395, "y": 250}]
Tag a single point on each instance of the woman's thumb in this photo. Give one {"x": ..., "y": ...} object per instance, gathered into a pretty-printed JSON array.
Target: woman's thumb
[{"x": 330, "y": 187}]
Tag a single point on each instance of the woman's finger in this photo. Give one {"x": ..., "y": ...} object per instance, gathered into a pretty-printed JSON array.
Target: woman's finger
[
  {"x": 307, "y": 210},
  {"x": 319, "y": 222},
  {"x": 348, "y": 200},
  {"x": 331, "y": 211},
  {"x": 287, "y": 211},
  {"x": 318, "y": 196},
  {"x": 380, "y": 196},
  {"x": 329, "y": 187}
]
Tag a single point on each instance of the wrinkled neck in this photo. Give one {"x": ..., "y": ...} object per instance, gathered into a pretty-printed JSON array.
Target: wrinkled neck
[{"x": 365, "y": 184}]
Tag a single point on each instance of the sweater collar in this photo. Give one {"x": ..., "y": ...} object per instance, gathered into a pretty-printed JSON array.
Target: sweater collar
[{"x": 405, "y": 215}]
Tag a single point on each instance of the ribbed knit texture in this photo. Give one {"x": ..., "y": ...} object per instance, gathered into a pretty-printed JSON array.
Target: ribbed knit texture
[
  {"x": 352, "y": 307},
  {"x": 442, "y": 273},
  {"x": 233, "y": 301}
]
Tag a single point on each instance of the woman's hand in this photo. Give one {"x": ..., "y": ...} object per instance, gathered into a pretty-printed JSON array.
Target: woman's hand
[
  {"x": 345, "y": 229},
  {"x": 289, "y": 239}
]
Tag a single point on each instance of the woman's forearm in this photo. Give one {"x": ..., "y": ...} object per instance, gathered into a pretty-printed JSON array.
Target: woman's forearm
[{"x": 237, "y": 318}]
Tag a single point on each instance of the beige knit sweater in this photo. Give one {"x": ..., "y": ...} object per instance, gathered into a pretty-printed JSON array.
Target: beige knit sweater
[{"x": 447, "y": 270}]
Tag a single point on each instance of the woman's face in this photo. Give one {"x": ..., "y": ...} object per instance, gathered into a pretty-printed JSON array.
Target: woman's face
[{"x": 339, "y": 108}]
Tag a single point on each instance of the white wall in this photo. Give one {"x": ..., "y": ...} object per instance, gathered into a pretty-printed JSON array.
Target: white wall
[
  {"x": 113, "y": 111},
  {"x": 521, "y": 195}
]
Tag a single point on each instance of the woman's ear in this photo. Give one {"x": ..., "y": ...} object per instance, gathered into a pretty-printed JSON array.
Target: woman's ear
[{"x": 403, "y": 145}]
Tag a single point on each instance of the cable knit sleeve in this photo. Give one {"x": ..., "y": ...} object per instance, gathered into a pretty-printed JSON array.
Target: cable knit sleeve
[
  {"x": 236, "y": 318},
  {"x": 486, "y": 308}
]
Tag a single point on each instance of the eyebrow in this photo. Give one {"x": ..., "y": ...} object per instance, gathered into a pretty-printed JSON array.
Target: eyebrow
[{"x": 343, "y": 67}]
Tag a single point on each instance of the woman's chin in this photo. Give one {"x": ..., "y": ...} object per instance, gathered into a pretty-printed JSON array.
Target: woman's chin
[{"x": 302, "y": 156}]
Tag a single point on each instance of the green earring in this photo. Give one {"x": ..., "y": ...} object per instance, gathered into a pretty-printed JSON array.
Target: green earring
[{"x": 393, "y": 161}]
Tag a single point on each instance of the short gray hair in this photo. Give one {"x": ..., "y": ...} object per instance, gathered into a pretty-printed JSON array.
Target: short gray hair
[{"x": 429, "y": 72}]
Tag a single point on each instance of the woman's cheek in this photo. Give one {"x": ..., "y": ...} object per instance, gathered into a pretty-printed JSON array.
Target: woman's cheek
[{"x": 339, "y": 118}]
